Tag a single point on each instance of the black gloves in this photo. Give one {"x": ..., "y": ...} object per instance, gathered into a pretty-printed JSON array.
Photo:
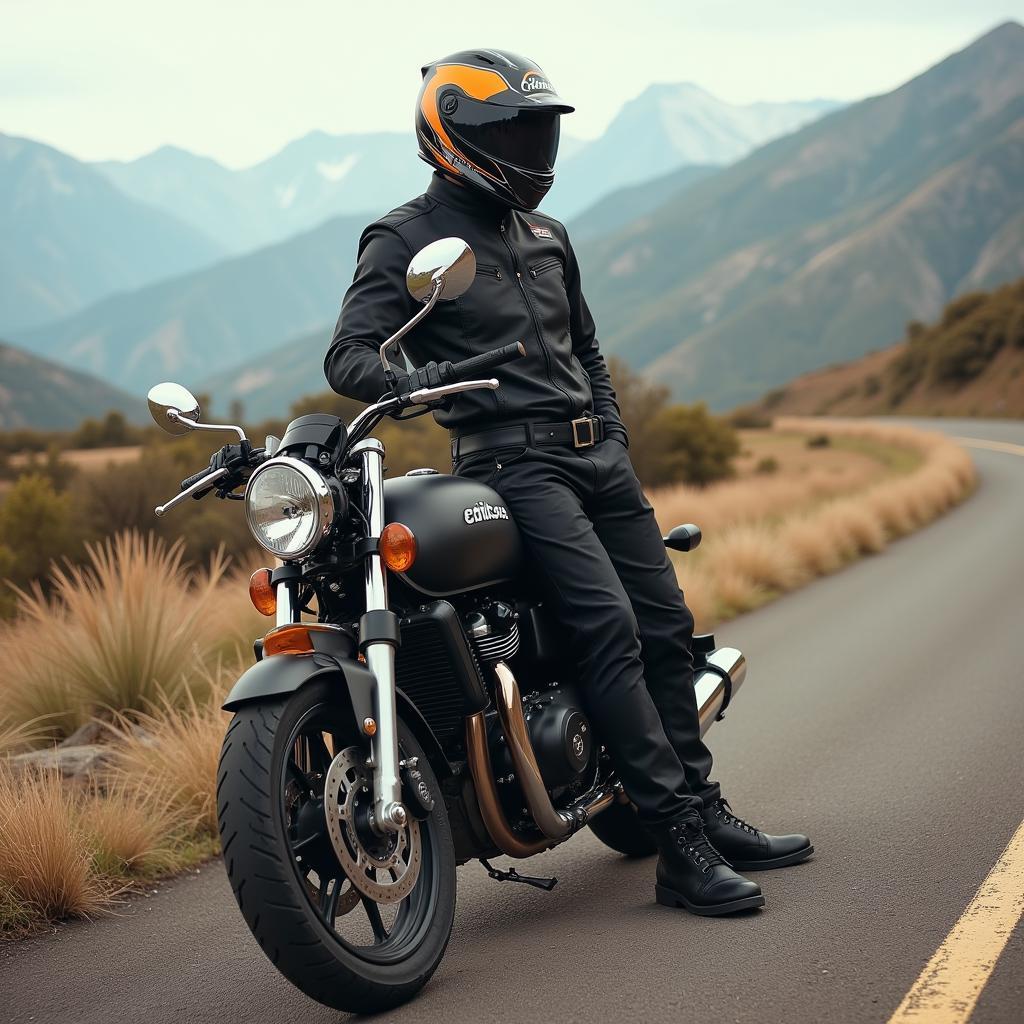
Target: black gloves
[{"x": 433, "y": 375}]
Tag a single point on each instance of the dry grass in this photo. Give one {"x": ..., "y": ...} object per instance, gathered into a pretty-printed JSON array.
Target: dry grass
[
  {"x": 765, "y": 537},
  {"x": 173, "y": 753},
  {"x": 46, "y": 863},
  {"x": 129, "y": 629}
]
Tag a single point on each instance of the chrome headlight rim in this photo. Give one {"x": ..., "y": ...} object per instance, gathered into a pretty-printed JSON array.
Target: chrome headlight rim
[{"x": 324, "y": 505}]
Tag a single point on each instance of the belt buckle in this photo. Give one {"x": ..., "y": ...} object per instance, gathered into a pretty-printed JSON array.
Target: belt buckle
[{"x": 575, "y": 424}]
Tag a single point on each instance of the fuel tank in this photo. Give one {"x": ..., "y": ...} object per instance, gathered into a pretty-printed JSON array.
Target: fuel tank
[{"x": 466, "y": 538}]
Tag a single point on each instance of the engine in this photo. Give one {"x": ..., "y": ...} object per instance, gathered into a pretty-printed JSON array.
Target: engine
[{"x": 559, "y": 731}]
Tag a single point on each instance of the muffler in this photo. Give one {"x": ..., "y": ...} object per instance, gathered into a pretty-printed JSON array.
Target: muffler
[{"x": 718, "y": 674}]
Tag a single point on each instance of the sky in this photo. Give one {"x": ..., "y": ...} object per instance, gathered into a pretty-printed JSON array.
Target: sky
[{"x": 113, "y": 79}]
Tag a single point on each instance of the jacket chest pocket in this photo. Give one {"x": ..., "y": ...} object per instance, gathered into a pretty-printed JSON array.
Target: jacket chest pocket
[
  {"x": 483, "y": 270},
  {"x": 544, "y": 266}
]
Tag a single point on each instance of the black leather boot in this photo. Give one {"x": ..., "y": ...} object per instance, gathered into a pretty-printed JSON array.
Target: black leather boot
[
  {"x": 692, "y": 873},
  {"x": 748, "y": 848}
]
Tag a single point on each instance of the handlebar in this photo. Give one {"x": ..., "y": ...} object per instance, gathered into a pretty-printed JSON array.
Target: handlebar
[
  {"x": 205, "y": 479},
  {"x": 195, "y": 478},
  {"x": 479, "y": 365}
]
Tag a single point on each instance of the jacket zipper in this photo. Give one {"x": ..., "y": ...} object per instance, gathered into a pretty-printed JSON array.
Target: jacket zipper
[
  {"x": 536, "y": 322},
  {"x": 549, "y": 264},
  {"x": 485, "y": 271}
]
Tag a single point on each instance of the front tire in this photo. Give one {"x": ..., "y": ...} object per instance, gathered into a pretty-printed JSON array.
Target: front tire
[
  {"x": 619, "y": 827},
  {"x": 300, "y": 906}
]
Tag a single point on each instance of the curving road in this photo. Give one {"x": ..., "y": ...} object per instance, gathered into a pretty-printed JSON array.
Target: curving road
[{"x": 883, "y": 714}]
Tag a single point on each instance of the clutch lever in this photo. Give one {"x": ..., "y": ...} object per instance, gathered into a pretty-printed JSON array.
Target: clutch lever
[{"x": 201, "y": 484}]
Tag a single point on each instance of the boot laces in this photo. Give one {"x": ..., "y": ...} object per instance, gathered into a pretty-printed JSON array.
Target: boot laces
[
  {"x": 724, "y": 811},
  {"x": 692, "y": 840}
]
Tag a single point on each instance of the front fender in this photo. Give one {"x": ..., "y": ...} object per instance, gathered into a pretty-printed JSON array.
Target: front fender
[{"x": 281, "y": 674}]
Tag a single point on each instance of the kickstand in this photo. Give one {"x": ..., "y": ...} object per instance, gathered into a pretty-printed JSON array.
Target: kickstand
[{"x": 547, "y": 884}]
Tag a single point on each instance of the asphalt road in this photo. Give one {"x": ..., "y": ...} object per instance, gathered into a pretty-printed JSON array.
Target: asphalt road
[{"x": 882, "y": 715}]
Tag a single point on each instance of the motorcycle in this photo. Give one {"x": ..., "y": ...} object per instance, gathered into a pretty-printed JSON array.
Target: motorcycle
[{"x": 413, "y": 707}]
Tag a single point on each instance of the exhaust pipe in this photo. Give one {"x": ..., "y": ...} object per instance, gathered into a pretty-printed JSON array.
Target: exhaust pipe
[
  {"x": 716, "y": 680},
  {"x": 718, "y": 675}
]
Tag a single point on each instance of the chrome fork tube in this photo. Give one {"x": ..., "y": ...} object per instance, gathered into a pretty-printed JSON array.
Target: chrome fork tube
[{"x": 389, "y": 813}]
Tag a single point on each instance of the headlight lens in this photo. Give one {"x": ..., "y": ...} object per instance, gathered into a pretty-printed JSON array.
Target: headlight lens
[{"x": 289, "y": 507}]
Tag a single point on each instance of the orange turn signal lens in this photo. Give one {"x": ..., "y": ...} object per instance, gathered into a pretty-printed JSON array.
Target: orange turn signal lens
[
  {"x": 398, "y": 547},
  {"x": 262, "y": 593},
  {"x": 294, "y": 639}
]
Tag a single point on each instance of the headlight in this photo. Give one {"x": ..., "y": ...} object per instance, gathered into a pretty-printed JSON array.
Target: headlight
[{"x": 288, "y": 506}]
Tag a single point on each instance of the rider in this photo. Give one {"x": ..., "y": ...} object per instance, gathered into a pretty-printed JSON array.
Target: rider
[{"x": 551, "y": 441}]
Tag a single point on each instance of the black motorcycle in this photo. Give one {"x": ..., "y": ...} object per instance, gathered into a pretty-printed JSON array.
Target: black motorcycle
[{"x": 413, "y": 708}]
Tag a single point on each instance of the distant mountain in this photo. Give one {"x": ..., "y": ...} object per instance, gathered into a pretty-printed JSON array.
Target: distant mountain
[
  {"x": 189, "y": 327},
  {"x": 268, "y": 387},
  {"x": 667, "y": 127},
  {"x": 969, "y": 363},
  {"x": 68, "y": 237},
  {"x": 633, "y": 203},
  {"x": 37, "y": 393},
  {"x": 309, "y": 181},
  {"x": 822, "y": 244}
]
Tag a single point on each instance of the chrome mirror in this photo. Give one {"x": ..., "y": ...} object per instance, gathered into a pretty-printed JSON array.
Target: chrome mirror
[
  {"x": 448, "y": 263},
  {"x": 173, "y": 407}
]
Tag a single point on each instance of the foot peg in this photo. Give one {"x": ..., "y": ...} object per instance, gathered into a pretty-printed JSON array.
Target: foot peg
[{"x": 547, "y": 884}]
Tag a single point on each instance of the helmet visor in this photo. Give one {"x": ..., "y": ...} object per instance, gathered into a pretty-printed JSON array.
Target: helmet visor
[{"x": 508, "y": 135}]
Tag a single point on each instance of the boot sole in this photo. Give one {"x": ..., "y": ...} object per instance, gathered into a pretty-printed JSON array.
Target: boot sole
[
  {"x": 670, "y": 898},
  {"x": 777, "y": 862}
]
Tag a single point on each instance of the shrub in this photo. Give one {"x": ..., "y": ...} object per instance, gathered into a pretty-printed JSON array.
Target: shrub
[
  {"x": 129, "y": 629},
  {"x": 767, "y": 466},
  {"x": 818, "y": 441}
]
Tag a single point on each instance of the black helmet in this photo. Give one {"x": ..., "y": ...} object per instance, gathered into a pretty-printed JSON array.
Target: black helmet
[{"x": 490, "y": 118}]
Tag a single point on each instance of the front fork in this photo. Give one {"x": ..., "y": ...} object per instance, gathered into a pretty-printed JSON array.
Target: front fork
[{"x": 389, "y": 813}]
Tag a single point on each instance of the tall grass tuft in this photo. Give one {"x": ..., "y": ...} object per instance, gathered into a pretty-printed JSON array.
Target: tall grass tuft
[
  {"x": 129, "y": 629},
  {"x": 46, "y": 868}
]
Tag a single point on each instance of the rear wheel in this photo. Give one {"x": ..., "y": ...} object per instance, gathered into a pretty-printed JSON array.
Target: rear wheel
[
  {"x": 357, "y": 921},
  {"x": 621, "y": 829}
]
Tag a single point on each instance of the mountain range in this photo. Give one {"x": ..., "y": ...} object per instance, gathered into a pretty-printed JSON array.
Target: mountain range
[
  {"x": 820, "y": 246},
  {"x": 68, "y": 237},
  {"x": 38, "y": 393}
]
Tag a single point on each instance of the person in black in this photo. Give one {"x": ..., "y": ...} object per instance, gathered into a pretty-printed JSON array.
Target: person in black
[{"x": 551, "y": 441}]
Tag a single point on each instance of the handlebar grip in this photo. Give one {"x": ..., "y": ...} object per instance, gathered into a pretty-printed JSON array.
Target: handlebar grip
[
  {"x": 190, "y": 480},
  {"x": 468, "y": 368}
]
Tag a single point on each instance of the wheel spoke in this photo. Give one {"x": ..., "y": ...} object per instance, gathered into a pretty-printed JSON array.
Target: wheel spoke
[
  {"x": 380, "y": 933},
  {"x": 299, "y": 776},
  {"x": 319, "y": 755},
  {"x": 300, "y": 844}
]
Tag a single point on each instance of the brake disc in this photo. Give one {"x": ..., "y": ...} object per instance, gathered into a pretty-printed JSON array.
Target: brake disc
[{"x": 348, "y": 796}]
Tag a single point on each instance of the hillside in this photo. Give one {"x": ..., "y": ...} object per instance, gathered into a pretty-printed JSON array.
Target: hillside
[
  {"x": 188, "y": 328},
  {"x": 970, "y": 362},
  {"x": 68, "y": 237},
  {"x": 37, "y": 393},
  {"x": 822, "y": 244}
]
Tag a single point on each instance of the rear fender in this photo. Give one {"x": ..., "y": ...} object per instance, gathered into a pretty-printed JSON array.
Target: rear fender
[{"x": 282, "y": 674}]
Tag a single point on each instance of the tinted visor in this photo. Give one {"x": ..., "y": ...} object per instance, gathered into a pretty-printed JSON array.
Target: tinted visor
[{"x": 509, "y": 135}]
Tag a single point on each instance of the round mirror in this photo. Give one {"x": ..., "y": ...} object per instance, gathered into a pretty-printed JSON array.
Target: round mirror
[
  {"x": 448, "y": 260},
  {"x": 167, "y": 397}
]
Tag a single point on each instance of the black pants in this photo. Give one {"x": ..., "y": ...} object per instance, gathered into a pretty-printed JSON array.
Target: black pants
[{"x": 594, "y": 543}]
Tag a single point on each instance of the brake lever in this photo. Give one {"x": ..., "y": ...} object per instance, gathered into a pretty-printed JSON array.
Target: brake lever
[
  {"x": 201, "y": 484},
  {"x": 433, "y": 394}
]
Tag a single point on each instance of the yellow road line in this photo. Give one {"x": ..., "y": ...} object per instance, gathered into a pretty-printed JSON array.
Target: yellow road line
[
  {"x": 992, "y": 446},
  {"x": 949, "y": 986}
]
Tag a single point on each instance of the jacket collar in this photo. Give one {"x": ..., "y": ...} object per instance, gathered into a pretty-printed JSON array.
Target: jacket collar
[{"x": 466, "y": 200}]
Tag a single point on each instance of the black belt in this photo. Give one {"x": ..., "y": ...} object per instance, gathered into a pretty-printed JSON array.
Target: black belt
[{"x": 584, "y": 432}]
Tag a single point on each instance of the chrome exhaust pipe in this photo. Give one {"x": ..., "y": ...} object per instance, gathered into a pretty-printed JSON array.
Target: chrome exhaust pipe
[{"x": 716, "y": 681}]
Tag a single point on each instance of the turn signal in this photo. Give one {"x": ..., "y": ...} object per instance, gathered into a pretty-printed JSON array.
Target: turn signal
[
  {"x": 293, "y": 639},
  {"x": 262, "y": 593},
  {"x": 398, "y": 547}
]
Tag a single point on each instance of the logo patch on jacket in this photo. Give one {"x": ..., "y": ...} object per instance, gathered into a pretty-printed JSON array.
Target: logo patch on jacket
[{"x": 540, "y": 231}]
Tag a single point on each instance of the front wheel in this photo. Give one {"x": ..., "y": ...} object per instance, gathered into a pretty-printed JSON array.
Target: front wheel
[{"x": 357, "y": 921}]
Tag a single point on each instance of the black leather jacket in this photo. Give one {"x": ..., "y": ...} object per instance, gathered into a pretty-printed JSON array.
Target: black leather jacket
[{"x": 527, "y": 289}]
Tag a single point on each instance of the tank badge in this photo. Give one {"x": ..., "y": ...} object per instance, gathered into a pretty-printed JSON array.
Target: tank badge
[{"x": 482, "y": 512}]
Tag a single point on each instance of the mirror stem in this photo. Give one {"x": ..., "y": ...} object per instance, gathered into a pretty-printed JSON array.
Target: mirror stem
[
  {"x": 174, "y": 414},
  {"x": 404, "y": 330}
]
